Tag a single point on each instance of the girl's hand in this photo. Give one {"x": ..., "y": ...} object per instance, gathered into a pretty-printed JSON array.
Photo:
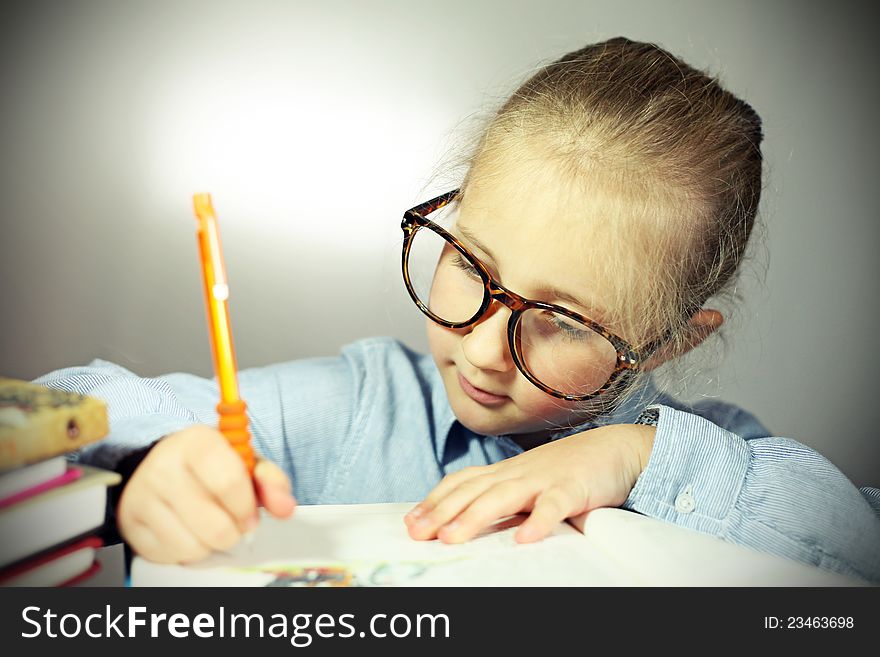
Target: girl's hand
[
  {"x": 596, "y": 468},
  {"x": 192, "y": 495}
]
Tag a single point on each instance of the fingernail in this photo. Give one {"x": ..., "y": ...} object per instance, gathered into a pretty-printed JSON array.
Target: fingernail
[
  {"x": 452, "y": 526},
  {"x": 423, "y": 523},
  {"x": 416, "y": 512}
]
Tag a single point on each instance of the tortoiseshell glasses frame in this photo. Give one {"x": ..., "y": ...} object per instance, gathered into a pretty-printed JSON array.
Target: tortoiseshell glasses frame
[{"x": 628, "y": 359}]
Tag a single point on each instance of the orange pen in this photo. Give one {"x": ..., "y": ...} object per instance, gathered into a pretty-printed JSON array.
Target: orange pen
[{"x": 233, "y": 419}]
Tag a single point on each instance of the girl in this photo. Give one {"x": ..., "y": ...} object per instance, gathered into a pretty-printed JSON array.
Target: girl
[{"x": 606, "y": 201}]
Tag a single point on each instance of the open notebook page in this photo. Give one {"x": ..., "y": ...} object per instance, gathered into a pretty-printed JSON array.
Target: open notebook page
[{"x": 368, "y": 545}]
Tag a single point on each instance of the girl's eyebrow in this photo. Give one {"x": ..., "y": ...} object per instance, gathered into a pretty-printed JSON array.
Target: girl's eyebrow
[
  {"x": 473, "y": 239},
  {"x": 592, "y": 311}
]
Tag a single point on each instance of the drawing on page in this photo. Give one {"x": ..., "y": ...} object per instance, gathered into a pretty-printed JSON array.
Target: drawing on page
[{"x": 299, "y": 575}]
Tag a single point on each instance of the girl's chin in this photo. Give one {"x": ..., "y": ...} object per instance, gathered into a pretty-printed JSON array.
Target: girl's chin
[
  {"x": 480, "y": 420},
  {"x": 477, "y": 421}
]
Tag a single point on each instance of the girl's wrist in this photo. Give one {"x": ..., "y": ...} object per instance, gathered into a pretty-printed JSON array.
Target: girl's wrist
[{"x": 643, "y": 436}]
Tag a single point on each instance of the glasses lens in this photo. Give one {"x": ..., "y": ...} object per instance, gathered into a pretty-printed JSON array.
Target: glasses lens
[
  {"x": 563, "y": 353},
  {"x": 442, "y": 278}
]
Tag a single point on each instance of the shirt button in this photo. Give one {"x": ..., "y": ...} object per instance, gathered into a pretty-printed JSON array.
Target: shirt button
[{"x": 685, "y": 503}]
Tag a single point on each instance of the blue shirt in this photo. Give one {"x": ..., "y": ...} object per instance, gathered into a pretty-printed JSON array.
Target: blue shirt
[{"x": 375, "y": 425}]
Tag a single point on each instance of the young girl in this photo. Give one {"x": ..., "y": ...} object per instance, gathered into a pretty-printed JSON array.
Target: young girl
[{"x": 606, "y": 201}]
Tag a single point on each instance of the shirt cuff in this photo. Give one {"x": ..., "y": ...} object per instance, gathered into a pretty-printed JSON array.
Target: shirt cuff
[
  {"x": 694, "y": 474},
  {"x": 125, "y": 467}
]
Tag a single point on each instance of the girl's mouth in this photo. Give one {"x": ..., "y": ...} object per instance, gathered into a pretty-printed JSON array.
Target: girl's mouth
[{"x": 480, "y": 396}]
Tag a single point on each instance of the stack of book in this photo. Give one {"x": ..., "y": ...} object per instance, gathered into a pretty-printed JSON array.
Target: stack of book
[{"x": 50, "y": 509}]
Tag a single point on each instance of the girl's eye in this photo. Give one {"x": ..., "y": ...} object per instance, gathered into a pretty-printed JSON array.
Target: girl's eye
[
  {"x": 465, "y": 266},
  {"x": 570, "y": 330}
]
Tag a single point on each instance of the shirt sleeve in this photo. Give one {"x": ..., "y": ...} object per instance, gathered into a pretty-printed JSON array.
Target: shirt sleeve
[
  {"x": 140, "y": 410},
  {"x": 768, "y": 493},
  {"x": 300, "y": 412}
]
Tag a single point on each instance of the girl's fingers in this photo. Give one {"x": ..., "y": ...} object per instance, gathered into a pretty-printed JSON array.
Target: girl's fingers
[
  {"x": 176, "y": 543},
  {"x": 273, "y": 489},
  {"x": 551, "y": 507},
  {"x": 145, "y": 543},
  {"x": 201, "y": 513},
  {"x": 501, "y": 500},
  {"x": 223, "y": 474},
  {"x": 441, "y": 490},
  {"x": 450, "y": 506}
]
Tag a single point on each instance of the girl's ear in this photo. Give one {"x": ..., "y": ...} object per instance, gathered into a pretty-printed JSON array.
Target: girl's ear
[{"x": 700, "y": 326}]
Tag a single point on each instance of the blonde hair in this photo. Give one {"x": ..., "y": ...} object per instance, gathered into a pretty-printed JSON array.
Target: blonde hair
[{"x": 680, "y": 153}]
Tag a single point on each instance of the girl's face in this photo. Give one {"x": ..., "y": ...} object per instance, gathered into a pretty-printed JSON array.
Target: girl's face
[{"x": 533, "y": 240}]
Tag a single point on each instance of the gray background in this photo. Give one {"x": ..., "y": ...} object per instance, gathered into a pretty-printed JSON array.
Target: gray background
[{"x": 315, "y": 125}]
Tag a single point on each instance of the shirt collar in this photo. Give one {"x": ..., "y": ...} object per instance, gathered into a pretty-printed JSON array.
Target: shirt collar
[{"x": 444, "y": 417}]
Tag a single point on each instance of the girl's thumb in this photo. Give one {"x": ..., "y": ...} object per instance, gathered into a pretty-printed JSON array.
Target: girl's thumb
[{"x": 273, "y": 489}]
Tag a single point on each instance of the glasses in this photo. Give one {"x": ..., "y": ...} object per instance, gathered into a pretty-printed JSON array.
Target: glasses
[{"x": 564, "y": 353}]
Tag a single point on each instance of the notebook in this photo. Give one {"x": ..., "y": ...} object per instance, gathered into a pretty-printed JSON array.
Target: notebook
[{"x": 368, "y": 545}]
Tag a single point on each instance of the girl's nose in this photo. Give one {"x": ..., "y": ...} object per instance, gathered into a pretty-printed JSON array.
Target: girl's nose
[{"x": 485, "y": 344}]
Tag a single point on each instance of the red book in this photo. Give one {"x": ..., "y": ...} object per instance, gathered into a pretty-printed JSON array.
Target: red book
[
  {"x": 12, "y": 481},
  {"x": 56, "y": 516},
  {"x": 64, "y": 566},
  {"x": 72, "y": 474}
]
